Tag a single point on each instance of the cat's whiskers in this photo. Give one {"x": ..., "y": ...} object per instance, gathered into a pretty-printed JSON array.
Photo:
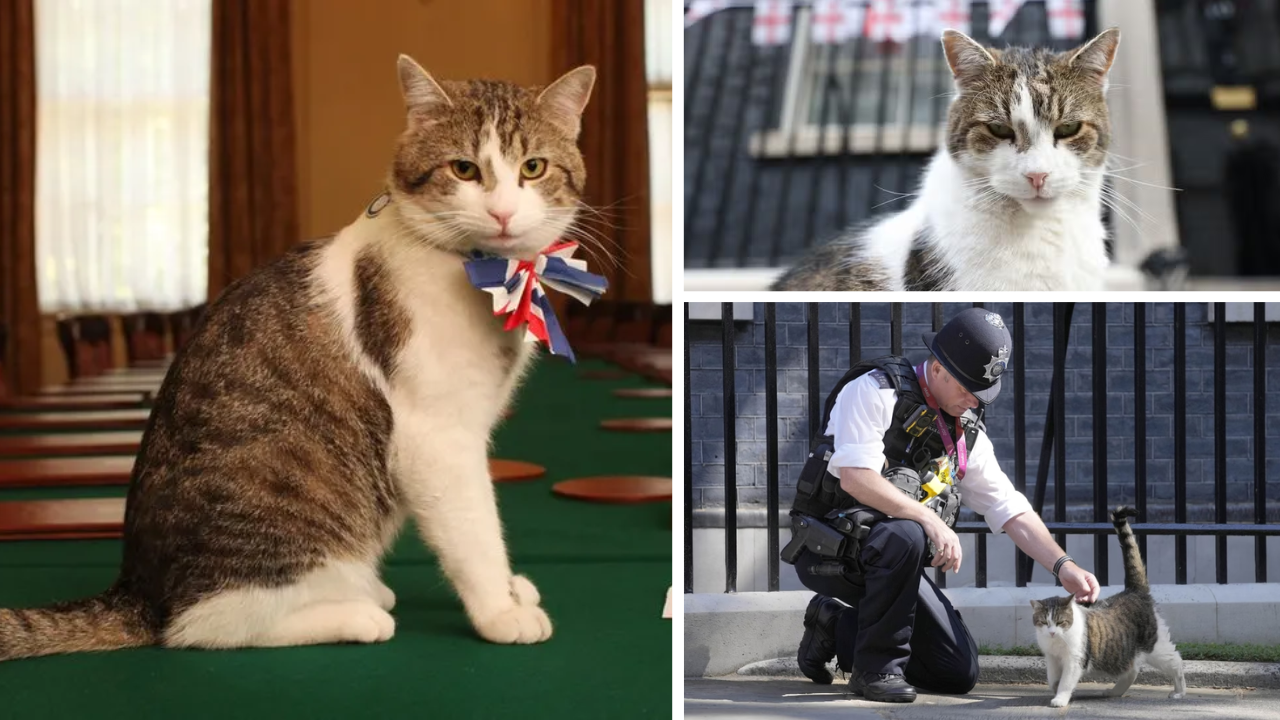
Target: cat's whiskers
[{"x": 1116, "y": 194}]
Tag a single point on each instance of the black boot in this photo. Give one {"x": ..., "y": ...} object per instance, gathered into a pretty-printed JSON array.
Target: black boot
[
  {"x": 881, "y": 687},
  {"x": 818, "y": 645}
]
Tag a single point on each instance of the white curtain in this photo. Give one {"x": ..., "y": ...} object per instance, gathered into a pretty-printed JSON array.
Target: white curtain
[
  {"x": 122, "y": 154},
  {"x": 658, "y": 52}
]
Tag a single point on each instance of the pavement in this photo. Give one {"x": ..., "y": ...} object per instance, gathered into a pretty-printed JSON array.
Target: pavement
[
  {"x": 768, "y": 698},
  {"x": 1011, "y": 670}
]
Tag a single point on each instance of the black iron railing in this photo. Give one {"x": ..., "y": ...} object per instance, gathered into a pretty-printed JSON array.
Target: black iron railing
[
  {"x": 1053, "y": 445},
  {"x": 788, "y": 144}
]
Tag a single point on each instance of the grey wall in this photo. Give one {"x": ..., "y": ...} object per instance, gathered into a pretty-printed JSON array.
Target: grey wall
[{"x": 707, "y": 406}]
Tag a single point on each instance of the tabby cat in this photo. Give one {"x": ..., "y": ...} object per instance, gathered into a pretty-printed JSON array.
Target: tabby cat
[
  {"x": 328, "y": 396},
  {"x": 1013, "y": 198},
  {"x": 1114, "y": 635}
]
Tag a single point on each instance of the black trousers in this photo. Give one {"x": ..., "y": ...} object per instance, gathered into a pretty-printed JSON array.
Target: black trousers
[{"x": 898, "y": 622}]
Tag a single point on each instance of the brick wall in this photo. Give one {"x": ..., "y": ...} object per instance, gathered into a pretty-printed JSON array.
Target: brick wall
[{"x": 707, "y": 406}]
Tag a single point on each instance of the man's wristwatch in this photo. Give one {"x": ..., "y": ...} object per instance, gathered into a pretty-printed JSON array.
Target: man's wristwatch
[{"x": 1061, "y": 561}]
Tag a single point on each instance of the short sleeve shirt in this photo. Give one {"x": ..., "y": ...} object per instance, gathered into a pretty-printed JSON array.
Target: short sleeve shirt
[{"x": 859, "y": 420}]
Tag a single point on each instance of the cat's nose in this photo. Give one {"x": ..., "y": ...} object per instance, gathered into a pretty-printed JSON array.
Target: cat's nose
[
  {"x": 1037, "y": 179},
  {"x": 502, "y": 217}
]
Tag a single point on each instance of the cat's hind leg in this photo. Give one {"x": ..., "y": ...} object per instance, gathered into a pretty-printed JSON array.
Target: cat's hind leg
[
  {"x": 1071, "y": 672},
  {"x": 1165, "y": 658},
  {"x": 1124, "y": 680},
  {"x": 334, "y": 603}
]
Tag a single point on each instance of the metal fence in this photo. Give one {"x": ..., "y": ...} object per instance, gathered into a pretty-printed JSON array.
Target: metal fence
[
  {"x": 787, "y": 144},
  {"x": 1053, "y": 447}
]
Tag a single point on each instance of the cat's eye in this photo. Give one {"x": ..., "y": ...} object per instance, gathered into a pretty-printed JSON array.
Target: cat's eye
[
  {"x": 465, "y": 170},
  {"x": 533, "y": 168},
  {"x": 1004, "y": 132},
  {"x": 1066, "y": 130}
]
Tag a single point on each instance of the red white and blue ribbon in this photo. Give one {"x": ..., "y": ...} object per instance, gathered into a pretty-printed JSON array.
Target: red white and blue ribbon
[{"x": 517, "y": 289}]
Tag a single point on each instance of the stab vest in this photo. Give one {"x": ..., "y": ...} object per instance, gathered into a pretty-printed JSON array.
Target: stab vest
[{"x": 818, "y": 492}]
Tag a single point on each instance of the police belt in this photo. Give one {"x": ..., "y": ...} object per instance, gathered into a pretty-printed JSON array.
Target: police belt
[{"x": 836, "y": 540}]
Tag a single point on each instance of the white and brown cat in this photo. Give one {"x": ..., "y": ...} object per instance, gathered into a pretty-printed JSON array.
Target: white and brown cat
[
  {"x": 328, "y": 396},
  {"x": 1115, "y": 635},
  {"x": 1013, "y": 198}
]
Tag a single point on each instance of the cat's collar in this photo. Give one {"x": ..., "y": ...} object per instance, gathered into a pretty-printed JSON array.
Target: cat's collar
[{"x": 517, "y": 290}]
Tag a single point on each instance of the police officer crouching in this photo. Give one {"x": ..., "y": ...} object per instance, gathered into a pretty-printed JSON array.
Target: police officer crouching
[{"x": 877, "y": 500}]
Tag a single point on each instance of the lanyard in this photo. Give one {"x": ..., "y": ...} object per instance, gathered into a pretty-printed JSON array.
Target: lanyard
[{"x": 953, "y": 447}]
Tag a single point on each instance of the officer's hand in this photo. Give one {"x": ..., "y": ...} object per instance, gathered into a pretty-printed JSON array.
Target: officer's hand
[
  {"x": 946, "y": 541},
  {"x": 1079, "y": 582}
]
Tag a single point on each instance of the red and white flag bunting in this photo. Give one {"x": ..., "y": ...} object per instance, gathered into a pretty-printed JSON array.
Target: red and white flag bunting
[
  {"x": 954, "y": 14},
  {"x": 1001, "y": 14},
  {"x": 772, "y": 22},
  {"x": 835, "y": 21},
  {"x": 1066, "y": 19}
]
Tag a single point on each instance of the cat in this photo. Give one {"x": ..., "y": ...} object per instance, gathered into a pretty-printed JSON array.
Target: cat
[
  {"x": 1114, "y": 635},
  {"x": 329, "y": 395},
  {"x": 1011, "y": 200}
]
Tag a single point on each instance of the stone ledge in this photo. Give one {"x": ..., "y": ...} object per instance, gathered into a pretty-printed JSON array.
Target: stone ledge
[{"x": 724, "y": 632}]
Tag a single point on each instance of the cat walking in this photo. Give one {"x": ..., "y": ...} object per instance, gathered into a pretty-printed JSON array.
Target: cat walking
[
  {"x": 1013, "y": 198},
  {"x": 1114, "y": 635}
]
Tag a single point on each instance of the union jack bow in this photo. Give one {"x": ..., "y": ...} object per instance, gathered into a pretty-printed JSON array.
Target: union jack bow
[{"x": 516, "y": 286}]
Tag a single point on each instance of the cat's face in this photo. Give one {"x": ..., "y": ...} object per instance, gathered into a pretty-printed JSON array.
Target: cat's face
[
  {"x": 1053, "y": 617},
  {"x": 1030, "y": 125},
  {"x": 490, "y": 166}
]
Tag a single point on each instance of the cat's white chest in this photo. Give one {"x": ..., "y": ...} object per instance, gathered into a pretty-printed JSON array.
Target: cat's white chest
[
  {"x": 456, "y": 343},
  {"x": 1054, "y": 253}
]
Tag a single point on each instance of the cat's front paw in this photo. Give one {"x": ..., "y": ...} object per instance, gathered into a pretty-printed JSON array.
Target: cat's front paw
[
  {"x": 523, "y": 591},
  {"x": 517, "y": 625},
  {"x": 1060, "y": 701}
]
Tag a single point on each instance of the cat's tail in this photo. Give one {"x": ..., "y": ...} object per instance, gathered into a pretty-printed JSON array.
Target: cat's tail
[
  {"x": 110, "y": 621},
  {"x": 1135, "y": 573}
]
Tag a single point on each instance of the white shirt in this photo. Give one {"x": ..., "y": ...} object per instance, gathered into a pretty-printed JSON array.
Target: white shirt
[{"x": 859, "y": 420}]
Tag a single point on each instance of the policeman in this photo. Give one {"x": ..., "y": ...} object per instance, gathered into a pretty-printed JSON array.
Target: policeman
[{"x": 899, "y": 434}]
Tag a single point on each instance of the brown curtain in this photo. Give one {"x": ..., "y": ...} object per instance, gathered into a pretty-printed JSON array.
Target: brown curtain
[
  {"x": 253, "y": 194},
  {"x": 615, "y": 128},
  {"x": 19, "y": 304}
]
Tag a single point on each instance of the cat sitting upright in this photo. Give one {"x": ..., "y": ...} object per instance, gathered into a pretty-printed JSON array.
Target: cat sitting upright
[
  {"x": 331, "y": 394},
  {"x": 1113, "y": 635},
  {"x": 1013, "y": 198}
]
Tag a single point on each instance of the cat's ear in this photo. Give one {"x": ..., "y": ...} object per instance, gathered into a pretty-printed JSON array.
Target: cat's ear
[
  {"x": 1036, "y": 605},
  {"x": 420, "y": 90},
  {"x": 1096, "y": 56},
  {"x": 967, "y": 58},
  {"x": 567, "y": 97}
]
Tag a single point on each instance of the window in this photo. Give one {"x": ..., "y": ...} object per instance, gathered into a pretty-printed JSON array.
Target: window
[
  {"x": 122, "y": 154},
  {"x": 658, "y": 50},
  {"x": 861, "y": 97}
]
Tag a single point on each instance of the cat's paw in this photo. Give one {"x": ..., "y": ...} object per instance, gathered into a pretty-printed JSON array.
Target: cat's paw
[
  {"x": 517, "y": 625},
  {"x": 1060, "y": 701},
  {"x": 1175, "y": 695},
  {"x": 370, "y": 624},
  {"x": 523, "y": 591},
  {"x": 384, "y": 596}
]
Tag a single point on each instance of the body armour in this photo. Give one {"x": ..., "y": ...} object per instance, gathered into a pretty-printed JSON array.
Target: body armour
[{"x": 911, "y": 441}]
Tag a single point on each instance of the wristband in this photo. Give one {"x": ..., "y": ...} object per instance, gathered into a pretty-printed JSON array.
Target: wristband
[{"x": 1058, "y": 565}]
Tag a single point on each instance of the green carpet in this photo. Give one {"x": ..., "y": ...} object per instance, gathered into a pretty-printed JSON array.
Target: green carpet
[{"x": 603, "y": 572}]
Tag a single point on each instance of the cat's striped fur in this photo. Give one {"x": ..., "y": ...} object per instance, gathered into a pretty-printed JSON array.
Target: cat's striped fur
[
  {"x": 331, "y": 394},
  {"x": 1114, "y": 635}
]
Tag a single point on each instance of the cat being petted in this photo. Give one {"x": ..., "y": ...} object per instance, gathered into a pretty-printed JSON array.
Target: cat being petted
[
  {"x": 1013, "y": 198},
  {"x": 332, "y": 394},
  {"x": 1114, "y": 635}
]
